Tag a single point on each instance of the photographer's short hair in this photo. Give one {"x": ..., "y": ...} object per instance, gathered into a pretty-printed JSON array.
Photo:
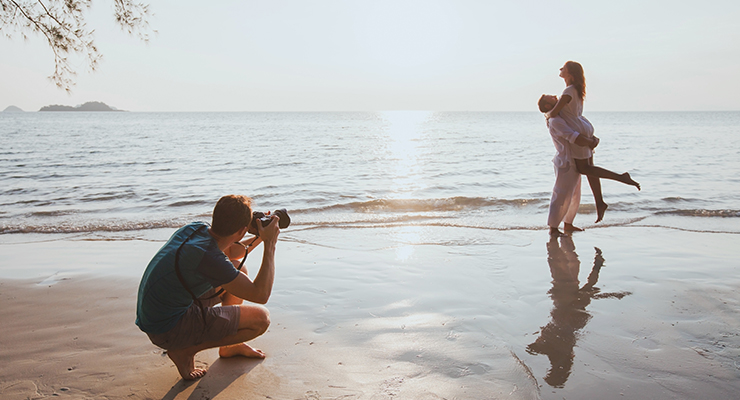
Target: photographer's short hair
[
  {"x": 542, "y": 104},
  {"x": 232, "y": 212}
]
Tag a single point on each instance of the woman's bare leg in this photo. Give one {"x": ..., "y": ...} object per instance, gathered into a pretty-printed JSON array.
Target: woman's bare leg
[
  {"x": 601, "y": 205},
  {"x": 584, "y": 166}
]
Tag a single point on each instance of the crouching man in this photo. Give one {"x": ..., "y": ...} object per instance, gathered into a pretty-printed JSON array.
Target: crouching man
[{"x": 198, "y": 268}]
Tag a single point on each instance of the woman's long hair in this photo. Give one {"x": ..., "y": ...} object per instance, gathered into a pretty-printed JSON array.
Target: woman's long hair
[{"x": 579, "y": 80}]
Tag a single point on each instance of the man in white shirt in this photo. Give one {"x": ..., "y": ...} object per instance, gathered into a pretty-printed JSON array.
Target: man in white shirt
[{"x": 566, "y": 195}]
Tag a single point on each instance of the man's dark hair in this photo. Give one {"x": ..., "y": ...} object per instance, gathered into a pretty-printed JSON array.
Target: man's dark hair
[
  {"x": 232, "y": 212},
  {"x": 542, "y": 104}
]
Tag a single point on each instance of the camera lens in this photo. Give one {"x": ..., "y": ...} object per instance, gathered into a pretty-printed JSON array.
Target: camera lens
[
  {"x": 265, "y": 220},
  {"x": 284, "y": 218}
]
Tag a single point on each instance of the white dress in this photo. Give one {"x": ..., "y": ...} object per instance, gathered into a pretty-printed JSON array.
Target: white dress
[{"x": 571, "y": 113}]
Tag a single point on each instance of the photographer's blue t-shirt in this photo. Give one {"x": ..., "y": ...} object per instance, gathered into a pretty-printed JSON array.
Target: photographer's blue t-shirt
[{"x": 162, "y": 299}]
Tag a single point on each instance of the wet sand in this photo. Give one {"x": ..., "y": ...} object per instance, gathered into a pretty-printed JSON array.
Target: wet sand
[{"x": 611, "y": 313}]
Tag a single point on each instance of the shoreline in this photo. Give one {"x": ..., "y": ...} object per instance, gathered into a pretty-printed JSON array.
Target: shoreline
[{"x": 373, "y": 317}]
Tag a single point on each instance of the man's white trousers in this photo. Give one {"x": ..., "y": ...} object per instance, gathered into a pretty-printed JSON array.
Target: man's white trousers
[{"x": 566, "y": 195}]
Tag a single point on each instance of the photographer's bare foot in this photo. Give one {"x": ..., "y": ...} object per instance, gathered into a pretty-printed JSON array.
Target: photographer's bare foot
[
  {"x": 240, "y": 349},
  {"x": 600, "y": 210},
  {"x": 628, "y": 180},
  {"x": 571, "y": 228},
  {"x": 185, "y": 362}
]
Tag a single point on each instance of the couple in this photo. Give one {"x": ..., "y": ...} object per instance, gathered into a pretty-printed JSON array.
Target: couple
[{"x": 573, "y": 136}]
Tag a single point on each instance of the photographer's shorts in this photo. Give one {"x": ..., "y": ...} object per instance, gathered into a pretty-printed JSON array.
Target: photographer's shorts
[{"x": 190, "y": 330}]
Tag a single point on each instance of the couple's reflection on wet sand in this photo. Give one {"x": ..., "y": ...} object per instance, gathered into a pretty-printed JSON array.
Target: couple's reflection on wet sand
[{"x": 558, "y": 338}]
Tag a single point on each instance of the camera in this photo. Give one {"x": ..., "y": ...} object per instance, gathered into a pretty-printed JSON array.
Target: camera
[{"x": 262, "y": 218}]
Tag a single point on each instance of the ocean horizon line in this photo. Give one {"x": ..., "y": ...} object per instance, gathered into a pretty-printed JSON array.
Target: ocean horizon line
[{"x": 534, "y": 111}]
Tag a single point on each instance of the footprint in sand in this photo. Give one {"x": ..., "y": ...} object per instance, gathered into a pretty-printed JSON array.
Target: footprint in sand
[{"x": 19, "y": 390}]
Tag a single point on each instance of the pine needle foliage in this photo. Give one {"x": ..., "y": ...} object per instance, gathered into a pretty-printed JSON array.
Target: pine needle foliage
[{"x": 63, "y": 24}]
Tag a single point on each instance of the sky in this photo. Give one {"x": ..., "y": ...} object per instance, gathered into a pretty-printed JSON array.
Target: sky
[{"x": 344, "y": 55}]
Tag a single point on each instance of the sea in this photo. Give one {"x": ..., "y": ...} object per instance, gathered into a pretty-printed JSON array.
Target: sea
[
  {"x": 418, "y": 254},
  {"x": 115, "y": 174}
]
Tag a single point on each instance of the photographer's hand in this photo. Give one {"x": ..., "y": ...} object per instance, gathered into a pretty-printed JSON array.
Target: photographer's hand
[
  {"x": 259, "y": 290},
  {"x": 269, "y": 234}
]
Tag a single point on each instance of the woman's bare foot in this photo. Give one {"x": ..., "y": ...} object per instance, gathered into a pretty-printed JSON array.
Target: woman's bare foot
[
  {"x": 571, "y": 228},
  {"x": 240, "y": 349},
  {"x": 555, "y": 232},
  {"x": 185, "y": 362},
  {"x": 600, "y": 210},
  {"x": 628, "y": 180}
]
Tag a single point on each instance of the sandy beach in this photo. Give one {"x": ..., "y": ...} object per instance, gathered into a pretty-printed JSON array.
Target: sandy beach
[{"x": 613, "y": 313}]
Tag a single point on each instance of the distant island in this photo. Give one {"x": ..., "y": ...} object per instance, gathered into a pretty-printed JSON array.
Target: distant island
[
  {"x": 89, "y": 106},
  {"x": 12, "y": 109}
]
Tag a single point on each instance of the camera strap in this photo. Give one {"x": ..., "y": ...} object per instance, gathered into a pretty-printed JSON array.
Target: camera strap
[
  {"x": 197, "y": 300},
  {"x": 246, "y": 253},
  {"x": 182, "y": 280}
]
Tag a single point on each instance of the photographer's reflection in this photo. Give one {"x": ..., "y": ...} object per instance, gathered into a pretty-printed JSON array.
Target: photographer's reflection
[{"x": 569, "y": 314}]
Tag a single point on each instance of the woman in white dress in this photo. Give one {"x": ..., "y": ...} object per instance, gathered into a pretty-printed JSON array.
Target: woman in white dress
[{"x": 570, "y": 108}]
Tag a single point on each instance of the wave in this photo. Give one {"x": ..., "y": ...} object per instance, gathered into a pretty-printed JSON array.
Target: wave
[
  {"x": 102, "y": 226},
  {"x": 483, "y": 213},
  {"x": 53, "y": 213},
  {"x": 702, "y": 213},
  {"x": 107, "y": 196},
  {"x": 190, "y": 203},
  {"x": 424, "y": 205},
  {"x": 456, "y": 204},
  {"x": 679, "y": 200},
  {"x": 344, "y": 225}
]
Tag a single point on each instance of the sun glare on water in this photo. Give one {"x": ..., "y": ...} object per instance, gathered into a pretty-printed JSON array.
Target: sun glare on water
[
  {"x": 403, "y": 139},
  {"x": 406, "y": 238}
]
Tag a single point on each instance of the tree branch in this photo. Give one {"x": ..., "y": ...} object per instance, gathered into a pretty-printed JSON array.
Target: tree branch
[{"x": 62, "y": 23}]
